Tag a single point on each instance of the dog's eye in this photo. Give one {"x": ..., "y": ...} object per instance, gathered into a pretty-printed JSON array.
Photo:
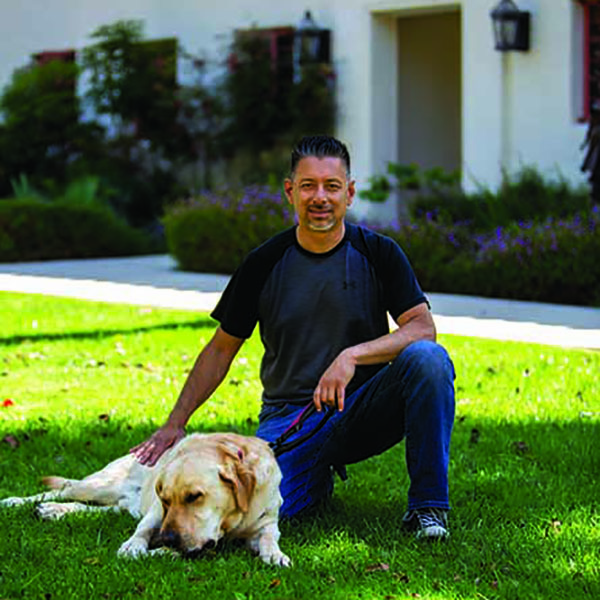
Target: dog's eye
[{"x": 193, "y": 497}]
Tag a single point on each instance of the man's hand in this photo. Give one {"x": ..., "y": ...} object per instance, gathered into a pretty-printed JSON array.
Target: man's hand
[
  {"x": 153, "y": 448},
  {"x": 331, "y": 389}
]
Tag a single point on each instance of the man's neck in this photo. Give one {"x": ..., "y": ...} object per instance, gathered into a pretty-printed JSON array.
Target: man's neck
[{"x": 320, "y": 242}]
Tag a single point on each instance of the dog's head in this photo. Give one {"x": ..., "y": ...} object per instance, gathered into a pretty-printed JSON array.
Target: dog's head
[{"x": 204, "y": 495}]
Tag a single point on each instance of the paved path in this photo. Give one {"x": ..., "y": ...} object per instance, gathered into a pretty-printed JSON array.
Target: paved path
[{"x": 155, "y": 281}]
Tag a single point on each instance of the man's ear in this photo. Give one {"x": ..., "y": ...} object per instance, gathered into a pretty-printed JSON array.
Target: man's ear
[
  {"x": 351, "y": 192},
  {"x": 242, "y": 482},
  {"x": 288, "y": 186}
]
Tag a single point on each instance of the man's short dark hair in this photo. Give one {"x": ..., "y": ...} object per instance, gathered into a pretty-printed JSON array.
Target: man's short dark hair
[{"x": 320, "y": 146}]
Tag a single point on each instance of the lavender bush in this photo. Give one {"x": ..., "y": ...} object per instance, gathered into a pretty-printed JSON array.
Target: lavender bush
[
  {"x": 213, "y": 231},
  {"x": 556, "y": 260},
  {"x": 553, "y": 261}
]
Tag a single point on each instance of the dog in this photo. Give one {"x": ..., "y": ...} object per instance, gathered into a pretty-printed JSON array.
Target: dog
[{"x": 206, "y": 487}]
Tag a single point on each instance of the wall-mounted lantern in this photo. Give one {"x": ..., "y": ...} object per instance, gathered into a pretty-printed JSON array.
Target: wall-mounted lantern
[
  {"x": 511, "y": 26},
  {"x": 311, "y": 44}
]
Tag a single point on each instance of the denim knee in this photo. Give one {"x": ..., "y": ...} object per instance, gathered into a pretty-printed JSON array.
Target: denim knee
[{"x": 426, "y": 360}]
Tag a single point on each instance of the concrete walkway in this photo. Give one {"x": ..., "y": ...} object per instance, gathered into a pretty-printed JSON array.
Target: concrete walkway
[{"x": 155, "y": 281}]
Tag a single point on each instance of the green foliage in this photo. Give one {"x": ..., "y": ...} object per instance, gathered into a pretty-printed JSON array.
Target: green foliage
[
  {"x": 114, "y": 62},
  {"x": 155, "y": 140},
  {"x": 524, "y": 196},
  {"x": 84, "y": 191},
  {"x": 38, "y": 230},
  {"x": 255, "y": 115},
  {"x": 89, "y": 380},
  {"x": 134, "y": 82},
  {"x": 533, "y": 239},
  {"x": 379, "y": 189},
  {"x": 22, "y": 188},
  {"x": 434, "y": 182},
  {"x": 553, "y": 261},
  {"x": 266, "y": 110},
  {"x": 214, "y": 232},
  {"x": 40, "y": 132}
]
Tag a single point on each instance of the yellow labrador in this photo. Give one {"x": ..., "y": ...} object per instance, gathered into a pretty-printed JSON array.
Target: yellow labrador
[{"x": 206, "y": 487}]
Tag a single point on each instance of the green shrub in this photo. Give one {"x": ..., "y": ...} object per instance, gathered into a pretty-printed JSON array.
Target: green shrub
[
  {"x": 525, "y": 196},
  {"x": 32, "y": 229},
  {"x": 41, "y": 132},
  {"x": 554, "y": 261},
  {"x": 214, "y": 232}
]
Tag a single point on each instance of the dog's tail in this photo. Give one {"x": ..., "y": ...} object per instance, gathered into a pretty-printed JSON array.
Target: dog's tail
[{"x": 56, "y": 483}]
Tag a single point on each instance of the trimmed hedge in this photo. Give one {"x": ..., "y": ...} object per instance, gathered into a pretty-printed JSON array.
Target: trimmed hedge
[
  {"x": 555, "y": 261},
  {"x": 33, "y": 229},
  {"x": 524, "y": 196},
  {"x": 213, "y": 232}
]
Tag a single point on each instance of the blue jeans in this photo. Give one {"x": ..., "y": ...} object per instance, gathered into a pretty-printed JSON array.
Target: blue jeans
[{"x": 412, "y": 398}]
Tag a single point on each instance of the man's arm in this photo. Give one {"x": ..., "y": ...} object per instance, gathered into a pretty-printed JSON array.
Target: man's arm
[
  {"x": 413, "y": 325},
  {"x": 208, "y": 372}
]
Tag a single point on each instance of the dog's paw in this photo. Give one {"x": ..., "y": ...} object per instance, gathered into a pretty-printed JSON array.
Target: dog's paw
[
  {"x": 276, "y": 557},
  {"x": 52, "y": 510},
  {"x": 12, "y": 502},
  {"x": 134, "y": 547}
]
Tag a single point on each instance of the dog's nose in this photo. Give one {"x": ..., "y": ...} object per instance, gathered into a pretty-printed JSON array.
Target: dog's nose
[
  {"x": 198, "y": 552},
  {"x": 170, "y": 538}
]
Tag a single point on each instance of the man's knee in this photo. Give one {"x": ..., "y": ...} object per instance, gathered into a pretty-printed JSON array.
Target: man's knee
[{"x": 427, "y": 360}]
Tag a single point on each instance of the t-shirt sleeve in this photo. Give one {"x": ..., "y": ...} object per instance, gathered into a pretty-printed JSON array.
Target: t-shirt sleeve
[
  {"x": 237, "y": 309},
  {"x": 400, "y": 286}
]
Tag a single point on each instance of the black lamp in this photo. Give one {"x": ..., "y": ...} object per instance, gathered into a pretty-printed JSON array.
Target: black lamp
[
  {"x": 511, "y": 27},
  {"x": 307, "y": 40},
  {"x": 311, "y": 45}
]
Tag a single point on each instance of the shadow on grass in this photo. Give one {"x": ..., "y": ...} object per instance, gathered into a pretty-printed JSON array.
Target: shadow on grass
[
  {"x": 524, "y": 494},
  {"x": 199, "y": 323}
]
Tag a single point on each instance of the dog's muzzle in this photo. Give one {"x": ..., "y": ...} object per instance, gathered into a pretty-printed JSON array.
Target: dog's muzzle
[
  {"x": 172, "y": 539},
  {"x": 169, "y": 539},
  {"x": 198, "y": 552}
]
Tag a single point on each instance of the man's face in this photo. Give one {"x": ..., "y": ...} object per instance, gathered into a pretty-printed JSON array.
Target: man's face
[{"x": 320, "y": 193}]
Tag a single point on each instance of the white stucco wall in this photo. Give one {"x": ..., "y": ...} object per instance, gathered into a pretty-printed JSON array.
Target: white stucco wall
[{"x": 516, "y": 109}]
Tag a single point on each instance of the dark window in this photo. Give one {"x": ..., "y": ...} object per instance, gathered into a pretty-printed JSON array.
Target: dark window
[
  {"x": 42, "y": 58},
  {"x": 279, "y": 43},
  {"x": 591, "y": 57}
]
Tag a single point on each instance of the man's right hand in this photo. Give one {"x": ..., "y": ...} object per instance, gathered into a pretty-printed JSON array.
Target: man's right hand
[{"x": 153, "y": 448}]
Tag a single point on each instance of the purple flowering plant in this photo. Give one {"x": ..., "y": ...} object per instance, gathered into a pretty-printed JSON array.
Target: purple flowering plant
[
  {"x": 213, "y": 231},
  {"x": 554, "y": 260}
]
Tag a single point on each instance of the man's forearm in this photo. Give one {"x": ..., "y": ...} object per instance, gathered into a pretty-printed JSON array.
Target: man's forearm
[
  {"x": 206, "y": 375},
  {"x": 386, "y": 348}
]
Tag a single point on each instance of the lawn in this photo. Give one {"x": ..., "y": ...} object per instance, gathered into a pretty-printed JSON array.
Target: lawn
[{"x": 82, "y": 382}]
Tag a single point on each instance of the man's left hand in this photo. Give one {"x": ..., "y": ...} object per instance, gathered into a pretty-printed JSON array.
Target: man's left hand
[{"x": 331, "y": 389}]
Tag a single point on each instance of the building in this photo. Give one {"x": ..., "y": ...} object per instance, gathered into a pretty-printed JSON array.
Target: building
[{"x": 417, "y": 80}]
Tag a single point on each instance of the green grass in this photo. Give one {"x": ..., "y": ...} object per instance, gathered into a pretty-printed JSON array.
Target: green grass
[{"x": 90, "y": 380}]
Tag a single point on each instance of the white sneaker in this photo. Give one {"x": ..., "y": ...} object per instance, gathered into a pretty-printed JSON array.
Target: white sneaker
[{"x": 427, "y": 523}]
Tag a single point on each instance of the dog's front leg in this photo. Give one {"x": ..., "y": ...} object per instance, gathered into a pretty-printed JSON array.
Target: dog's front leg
[
  {"x": 137, "y": 544},
  {"x": 266, "y": 544}
]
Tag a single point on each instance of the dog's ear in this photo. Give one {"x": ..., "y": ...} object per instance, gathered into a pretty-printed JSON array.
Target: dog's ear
[{"x": 241, "y": 480}]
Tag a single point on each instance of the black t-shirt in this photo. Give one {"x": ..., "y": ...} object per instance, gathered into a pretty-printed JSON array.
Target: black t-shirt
[{"x": 310, "y": 307}]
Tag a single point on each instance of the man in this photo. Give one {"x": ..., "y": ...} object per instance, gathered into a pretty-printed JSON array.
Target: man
[{"x": 321, "y": 293}]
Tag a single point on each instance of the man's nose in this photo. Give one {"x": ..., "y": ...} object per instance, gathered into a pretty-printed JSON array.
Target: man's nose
[{"x": 321, "y": 193}]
